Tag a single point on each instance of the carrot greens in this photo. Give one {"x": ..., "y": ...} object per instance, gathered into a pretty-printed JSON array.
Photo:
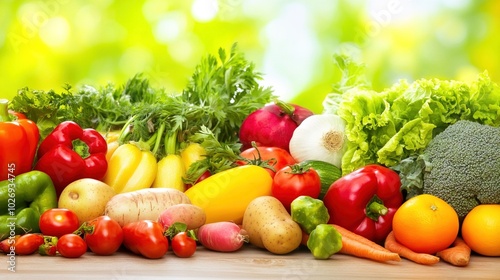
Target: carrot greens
[{"x": 222, "y": 91}]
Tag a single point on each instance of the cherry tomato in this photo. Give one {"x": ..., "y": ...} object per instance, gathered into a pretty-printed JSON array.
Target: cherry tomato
[
  {"x": 293, "y": 181},
  {"x": 202, "y": 177},
  {"x": 183, "y": 245},
  {"x": 28, "y": 243},
  {"x": 71, "y": 246},
  {"x": 58, "y": 222},
  {"x": 272, "y": 158},
  {"x": 103, "y": 235},
  {"x": 146, "y": 238},
  {"x": 25, "y": 244}
]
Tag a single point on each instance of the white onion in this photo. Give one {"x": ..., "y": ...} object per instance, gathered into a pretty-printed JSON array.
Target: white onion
[{"x": 320, "y": 137}]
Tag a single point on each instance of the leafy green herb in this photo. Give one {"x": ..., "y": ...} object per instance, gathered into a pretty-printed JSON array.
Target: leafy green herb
[
  {"x": 222, "y": 91},
  {"x": 104, "y": 109}
]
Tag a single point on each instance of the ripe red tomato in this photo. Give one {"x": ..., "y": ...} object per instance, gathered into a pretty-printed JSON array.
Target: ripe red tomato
[
  {"x": 202, "y": 177},
  {"x": 293, "y": 181},
  {"x": 58, "y": 222},
  {"x": 25, "y": 244},
  {"x": 103, "y": 235},
  {"x": 273, "y": 157},
  {"x": 146, "y": 238},
  {"x": 71, "y": 246},
  {"x": 183, "y": 245}
]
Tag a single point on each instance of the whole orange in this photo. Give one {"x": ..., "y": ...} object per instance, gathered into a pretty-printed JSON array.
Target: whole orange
[
  {"x": 425, "y": 224},
  {"x": 481, "y": 229}
]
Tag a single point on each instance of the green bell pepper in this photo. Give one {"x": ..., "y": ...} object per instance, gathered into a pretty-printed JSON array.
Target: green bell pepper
[{"x": 23, "y": 199}]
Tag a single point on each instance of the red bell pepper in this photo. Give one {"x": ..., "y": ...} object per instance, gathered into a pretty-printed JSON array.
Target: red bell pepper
[
  {"x": 18, "y": 142},
  {"x": 365, "y": 201},
  {"x": 70, "y": 153}
]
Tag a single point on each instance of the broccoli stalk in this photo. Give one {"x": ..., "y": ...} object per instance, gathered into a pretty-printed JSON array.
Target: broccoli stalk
[{"x": 461, "y": 165}]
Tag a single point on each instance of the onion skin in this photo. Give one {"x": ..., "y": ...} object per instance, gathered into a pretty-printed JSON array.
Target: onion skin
[{"x": 272, "y": 126}]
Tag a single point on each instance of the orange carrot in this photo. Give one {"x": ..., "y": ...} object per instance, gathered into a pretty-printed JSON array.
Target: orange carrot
[
  {"x": 305, "y": 237},
  {"x": 458, "y": 254},
  {"x": 359, "y": 246},
  {"x": 421, "y": 258},
  {"x": 347, "y": 233},
  {"x": 355, "y": 247}
]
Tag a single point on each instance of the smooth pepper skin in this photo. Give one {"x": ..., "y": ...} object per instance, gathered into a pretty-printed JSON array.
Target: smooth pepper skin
[
  {"x": 365, "y": 201},
  {"x": 18, "y": 142},
  {"x": 21, "y": 209},
  {"x": 70, "y": 153}
]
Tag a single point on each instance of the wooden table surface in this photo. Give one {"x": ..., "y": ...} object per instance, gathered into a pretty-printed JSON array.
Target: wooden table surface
[{"x": 247, "y": 263}]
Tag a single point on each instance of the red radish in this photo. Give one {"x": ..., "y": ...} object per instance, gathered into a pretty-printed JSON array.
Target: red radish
[
  {"x": 272, "y": 125},
  {"x": 222, "y": 236}
]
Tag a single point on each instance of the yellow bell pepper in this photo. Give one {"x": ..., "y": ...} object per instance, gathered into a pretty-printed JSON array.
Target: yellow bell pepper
[
  {"x": 224, "y": 196},
  {"x": 170, "y": 172},
  {"x": 130, "y": 169}
]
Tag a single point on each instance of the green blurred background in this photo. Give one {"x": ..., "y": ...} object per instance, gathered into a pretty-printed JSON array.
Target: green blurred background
[{"x": 45, "y": 44}]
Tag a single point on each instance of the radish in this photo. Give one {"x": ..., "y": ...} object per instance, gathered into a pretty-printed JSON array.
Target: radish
[
  {"x": 272, "y": 125},
  {"x": 222, "y": 236}
]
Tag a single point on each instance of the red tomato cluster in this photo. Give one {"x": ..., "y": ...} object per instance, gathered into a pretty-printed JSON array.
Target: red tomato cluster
[{"x": 62, "y": 233}]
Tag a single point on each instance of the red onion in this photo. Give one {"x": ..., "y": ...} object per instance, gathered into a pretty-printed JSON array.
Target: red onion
[{"x": 272, "y": 125}]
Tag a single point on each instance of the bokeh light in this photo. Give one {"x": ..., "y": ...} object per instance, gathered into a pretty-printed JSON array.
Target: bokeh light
[{"x": 46, "y": 44}]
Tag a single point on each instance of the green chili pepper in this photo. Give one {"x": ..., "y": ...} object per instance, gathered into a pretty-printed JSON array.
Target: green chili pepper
[
  {"x": 309, "y": 212},
  {"x": 23, "y": 199},
  {"x": 324, "y": 241}
]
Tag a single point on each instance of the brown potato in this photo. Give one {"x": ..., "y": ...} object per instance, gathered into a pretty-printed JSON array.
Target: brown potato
[{"x": 270, "y": 226}]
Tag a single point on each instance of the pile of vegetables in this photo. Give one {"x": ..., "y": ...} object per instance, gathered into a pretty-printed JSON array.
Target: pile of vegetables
[{"x": 224, "y": 163}]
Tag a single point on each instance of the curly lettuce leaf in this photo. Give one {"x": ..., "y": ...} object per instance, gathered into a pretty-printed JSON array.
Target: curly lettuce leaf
[
  {"x": 369, "y": 123},
  {"x": 399, "y": 122},
  {"x": 412, "y": 138},
  {"x": 485, "y": 101}
]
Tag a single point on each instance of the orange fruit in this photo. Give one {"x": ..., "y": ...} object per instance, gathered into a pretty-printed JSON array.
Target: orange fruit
[
  {"x": 481, "y": 229},
  {"x": 425, "y": 224}
]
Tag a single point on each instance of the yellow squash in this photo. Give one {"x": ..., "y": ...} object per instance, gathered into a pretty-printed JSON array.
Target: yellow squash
[
  {"x": 130, "y": 169},
  {"x": 112, "y": 140},
  {"x": 224, "y": 196},
  {"x": 171, "y": 170},
  {"x": 192, "y": 153}
]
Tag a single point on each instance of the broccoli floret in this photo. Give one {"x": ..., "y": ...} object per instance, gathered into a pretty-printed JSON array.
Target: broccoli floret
[{"x": 463, "y": 166}]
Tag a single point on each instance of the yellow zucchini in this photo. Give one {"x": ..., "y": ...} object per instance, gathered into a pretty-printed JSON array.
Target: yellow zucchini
[
  {"x": 192, "y": 153},
  {"x": 170, "y": 172},
  {"x": 224, "y": 196}
]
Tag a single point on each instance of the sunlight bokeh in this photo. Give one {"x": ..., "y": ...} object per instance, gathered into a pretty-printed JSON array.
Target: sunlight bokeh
[{"x": 46, "y": 44}]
